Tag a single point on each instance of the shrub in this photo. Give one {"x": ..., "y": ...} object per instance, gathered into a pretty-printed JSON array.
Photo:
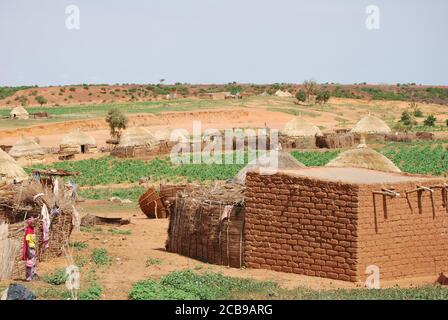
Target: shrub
[
  {"x": 323, "y": 96},
  {"x": 301, "y": 96},
  {"x": 91, "y": 293},
  {"x": 408, "y": 119},
  {"x": 41, "y": 100},
  {"x": 56, "y": 278},
  {"x": 430, "y": 121},
  {"x": 100, "y": 257}
]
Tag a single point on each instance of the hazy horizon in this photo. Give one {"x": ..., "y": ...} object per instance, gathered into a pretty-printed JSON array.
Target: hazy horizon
[{"x": 217, "y": 42}]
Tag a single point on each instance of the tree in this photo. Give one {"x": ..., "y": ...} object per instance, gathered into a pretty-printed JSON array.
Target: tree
[
  {"x": 323, "y": 96},
  {"x": 41, "y": 100},
  {"x": 117, "y": 121},
  {"x": 301, "y": 96},
  {"x": 23, "y": 100},
  {"x": 430, "y": 121},
  {"x": 408, "y": 119},
  {"x": 310, "y": 88}
]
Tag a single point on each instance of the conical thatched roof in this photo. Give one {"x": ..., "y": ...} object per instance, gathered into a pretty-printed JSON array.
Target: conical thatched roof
[
  {"x": 285, "y": 161},
  {"x": 280, "y": 93},
  {"x": 19, "y": 112},
  {"x": 371, "y": 124},
  {"x": 77, "y": 138},
  {"x": 137, "y": 136},
  {"x": 9, "y": 168},
  {"x": 299, "y": 127},
  {"x": 364, "y": 157},
  {"x": 25, "y": 148}
]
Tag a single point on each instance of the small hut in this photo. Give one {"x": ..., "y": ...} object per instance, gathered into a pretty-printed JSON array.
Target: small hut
[
  {"x": 284, "y": 161},
  {"x": 10, "y": 170},
  {"x": 138, "y": 142},
  {"x": 19, "y": 113},
  {"x": 78, "y": 142},
  {"x": 364, "y": 157},
  {"x": 27, "y": 152},
  {"x": 299, "y": 133},
  {"x": 283, "y": 94},
  {"x": 372, "y": 128}
]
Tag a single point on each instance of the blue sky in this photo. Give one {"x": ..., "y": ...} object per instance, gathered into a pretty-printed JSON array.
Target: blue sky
[{"x": 219, "y": 41}]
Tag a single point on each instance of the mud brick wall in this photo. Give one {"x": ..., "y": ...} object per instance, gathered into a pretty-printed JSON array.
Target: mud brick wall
[
  {"x": 402, "y": 242},
  {"x": 336, "y": 230},
  {"x": 300, "y": 225}
]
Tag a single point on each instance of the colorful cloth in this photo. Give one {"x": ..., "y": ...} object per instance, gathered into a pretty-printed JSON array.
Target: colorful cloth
[
  {"x": 46, "y": 222},
  {"x": 29, "y": 235}
]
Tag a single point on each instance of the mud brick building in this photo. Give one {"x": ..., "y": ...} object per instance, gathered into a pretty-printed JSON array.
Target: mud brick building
[{"x": 336, "y": 222}]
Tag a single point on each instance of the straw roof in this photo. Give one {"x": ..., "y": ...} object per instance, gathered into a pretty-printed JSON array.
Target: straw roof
[
  {"x": 77, "y": 138},
  {"x": 281, "y": 93},
  {"x": 137, "y": 136},
  {"x": 9, "y": 168},
  {"x": 364, "y": 157},
  {"x": 26, "y": 147},
  {"x": 19, "y": 112},
  {"x": 285, "y": 161},
  {"x": 371, "y": 124},
  {"x": 299, "y": 127}
]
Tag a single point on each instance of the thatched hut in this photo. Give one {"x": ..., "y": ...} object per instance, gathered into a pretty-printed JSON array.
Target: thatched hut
[
  {"x": 78, "y": 142},
  {"x": 10, "y": 170},
  {"x": 284, "y": 161},
  {"x": 283, "y": 94},
  {"x": 138, "y": 142},
  {"x": 208, "y": 224},
  {"x": 27, "y": 152},
  {"x": 364, "y": 157},
  {"x": 372, "y": 128},
  {"x": 299, "y": 133},
  {"x": 19, "y": 113}
]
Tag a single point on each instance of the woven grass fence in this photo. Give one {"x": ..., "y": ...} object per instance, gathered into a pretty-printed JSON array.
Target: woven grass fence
[{"x": 207, "y": 224}]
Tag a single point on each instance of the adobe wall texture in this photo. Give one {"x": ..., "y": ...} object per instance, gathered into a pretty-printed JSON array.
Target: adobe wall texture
[
  {"x": 401, "y": 241},
  {"x": 300, "y": 225},
  {"x": 328, "y": 229}
]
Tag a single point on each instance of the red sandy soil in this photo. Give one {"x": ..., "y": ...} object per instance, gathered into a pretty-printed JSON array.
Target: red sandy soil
[
  {"x": 51, "y": 134},
  {"x": 130, "y": 252}
]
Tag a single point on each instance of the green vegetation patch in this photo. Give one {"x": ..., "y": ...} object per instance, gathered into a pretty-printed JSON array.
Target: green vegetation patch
[
  {"x": 56, "y": 277},
  {"x": 100, "y": 257}
]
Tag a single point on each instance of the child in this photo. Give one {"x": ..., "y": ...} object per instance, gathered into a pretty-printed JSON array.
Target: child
[{"x": 29, "y": 250}]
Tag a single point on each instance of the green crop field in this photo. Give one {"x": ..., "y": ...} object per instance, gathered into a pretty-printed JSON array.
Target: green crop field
[
  {"x": 418, "y": 157},
  {"x": 76, "y": 112}
]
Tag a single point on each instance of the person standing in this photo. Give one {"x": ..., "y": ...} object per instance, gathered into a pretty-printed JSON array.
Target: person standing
[{"x": 29, "y": 250}]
